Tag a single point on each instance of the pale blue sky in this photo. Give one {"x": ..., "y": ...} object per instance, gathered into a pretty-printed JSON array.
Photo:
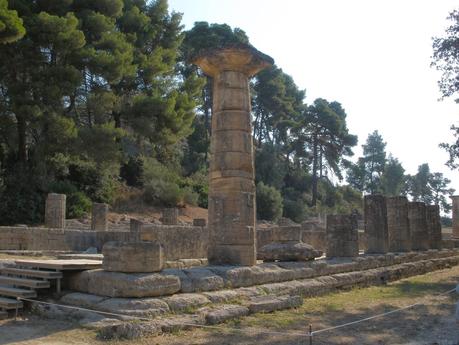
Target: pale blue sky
[{"x": 371, "y": 56}]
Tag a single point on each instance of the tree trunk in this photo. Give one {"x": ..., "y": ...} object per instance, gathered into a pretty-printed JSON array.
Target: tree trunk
[
  {"x": 315, "y": 159},
  {"x": 22, "y": 139}
]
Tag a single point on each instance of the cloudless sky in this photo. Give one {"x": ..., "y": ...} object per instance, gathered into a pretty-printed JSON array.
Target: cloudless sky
[{"x": 371, "y": 56}]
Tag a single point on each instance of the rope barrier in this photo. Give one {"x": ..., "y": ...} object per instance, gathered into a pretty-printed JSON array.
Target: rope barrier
[{"x": 309, "y": 334}]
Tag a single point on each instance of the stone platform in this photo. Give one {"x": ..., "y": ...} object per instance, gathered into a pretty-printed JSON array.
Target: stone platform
[
  {"x": 216, "y": 294},
  {"x": 213, "y": 278}
]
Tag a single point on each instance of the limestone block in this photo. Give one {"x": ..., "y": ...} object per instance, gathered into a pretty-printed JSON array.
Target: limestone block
[
  {"x": 267, "y": 304},
  {"x": 204, "y": 279},
  {"x": 223, "y": 296},
  {"x": 398, "y": 224},
  {"x": 434, "y": 226},
  {"x": 376, "y": 224},
  {"x": 184, "y": 301},
  {"x": 342, "y": 236},
  {"x": 418, "y": 226},
  {"x": 170, "y": 216},
  {"x": 134, "y": 306},
  {"x": 199, "y": 222},
  {"x": 224, "y": 313},
  {"x": 55, "y": 211},
  {"x": 134, "y": 257},
  {"x": 80, "y": 299},
  {"x": 244, "y": 255},
  {"x": 135, "y": 225},
  {"x": 116, "y": 284},
  {"x": 99, "y": 217},
  {"x": 290, "y": 251}
]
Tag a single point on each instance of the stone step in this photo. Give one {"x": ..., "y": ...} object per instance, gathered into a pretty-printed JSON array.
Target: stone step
[
  {"x": 31, "y": 283},
  {"x": 9, "y": 303},
  {"x": 15, "y": 292},
  {"x": 32, "y": 273}
]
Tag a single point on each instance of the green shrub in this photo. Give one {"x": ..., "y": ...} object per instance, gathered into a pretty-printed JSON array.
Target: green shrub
[
  {"x": 269, "y": 202},
  {"x": 295, "y": 210},
  {"x": 163, "y": 193}
]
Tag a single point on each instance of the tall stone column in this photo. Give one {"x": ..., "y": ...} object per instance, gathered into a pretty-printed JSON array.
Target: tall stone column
[
  {"x": 376, "y": 224},
  {"x": 434, "y": 226},
  {"x": 231, "y": 177},
  {"x": 418, "y": 225},
  {"x": 99, "y": 217},
  {"x": 455, "y": 199},
  {"x": 397, "y": 224}
]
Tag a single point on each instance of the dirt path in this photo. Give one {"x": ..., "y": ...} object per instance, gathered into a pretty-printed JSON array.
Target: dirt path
[{"x": 432, "y": 322}]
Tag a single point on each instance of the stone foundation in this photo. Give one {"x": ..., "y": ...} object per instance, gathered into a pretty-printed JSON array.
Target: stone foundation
[{"x": 274, "y": 288}]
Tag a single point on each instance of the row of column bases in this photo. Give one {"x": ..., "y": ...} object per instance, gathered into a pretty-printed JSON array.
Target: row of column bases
[{"x": 392, "y": 224}]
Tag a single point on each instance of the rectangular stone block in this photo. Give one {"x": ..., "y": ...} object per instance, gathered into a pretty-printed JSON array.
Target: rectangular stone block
[
  {"x": 99, "y": 217},
  {"x": 55, "y": 211},
  {"x": 434, "y": 226},
  {"x": 418, "y": 226},
  {"x": 342, "y": 236},
  {"x": 135, "y": 225},
  {"x": 199, "y": 222},
  {"x": 398, "y": 224},
  {"x": 170, "y": 216},
  {"x": 244, "y": 255},
  {"x": 376, "y": 224},
  {"x": 133, "y": 257}
]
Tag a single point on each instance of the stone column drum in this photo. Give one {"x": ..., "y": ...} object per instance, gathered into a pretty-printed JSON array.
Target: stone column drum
[
  {"x": 397, "y": 224},
  {"x": 418, "y": 225},
  {"x": 55, "y": 211},
  {"x": 434, "y": 226},
  {"x": 231, "y": 175},
  {"x": 170, "y": 216},
  {"x": 99, "y": 217},
  {"x": 342, "y": 236},
  {"x": 376, "y": 224},
  {"x": 455, "y": 199}
]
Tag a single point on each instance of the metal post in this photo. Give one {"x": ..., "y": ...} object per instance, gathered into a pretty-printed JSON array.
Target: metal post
[
  {"x": 310, "y": 334},
  {"x": 17, "y": 309}
]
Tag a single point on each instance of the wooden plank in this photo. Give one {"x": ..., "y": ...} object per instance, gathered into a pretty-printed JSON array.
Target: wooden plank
[
  {"x": 32, "y": 273},
  {"x": 9, "y": 303},
  {"x": 15, "y": 292},
  {"x": 31, "y": 283},
  {"x": 62, "y": 265}
]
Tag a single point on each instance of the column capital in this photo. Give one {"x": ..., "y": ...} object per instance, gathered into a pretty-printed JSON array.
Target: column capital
[{"x": 240, "y": 58}]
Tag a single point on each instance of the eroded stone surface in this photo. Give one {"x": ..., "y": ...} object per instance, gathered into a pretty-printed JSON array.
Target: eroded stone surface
[
  {"x": 398, "y": 224},
  {"x": 418, "y": 225},
  {"x": 224, "y": 313},
  {"x": 376, "y": 224},
  {"x": 116, "y": 284},
  {"x": 134, "y": 306},
  {"x": 185, "y": 302},
  {"x": 55, "y": 211},
  {"x": 342, "y": 236},
  {"x": 289, "y": 251},
  {"x": 135, "y": 257},
  {"x": 266, "y": 304}
]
